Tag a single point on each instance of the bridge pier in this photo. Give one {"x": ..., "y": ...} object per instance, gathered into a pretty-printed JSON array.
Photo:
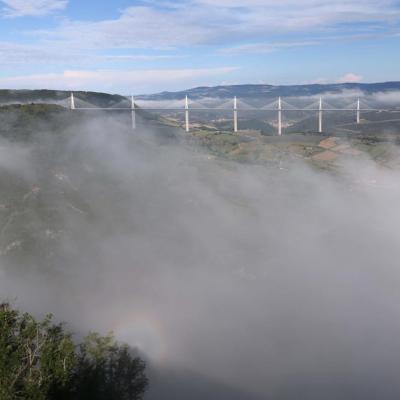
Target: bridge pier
[
  {"x": 279, "y": 117},
  {"x": 235, "y": 115},
  {"x": 133, "y": 113},
  {"x": 72, "y": 104},
  {"x": 316, "y": 107},
  {"x": 320, "y": 116},
  {"x": 187, "y": 114}
]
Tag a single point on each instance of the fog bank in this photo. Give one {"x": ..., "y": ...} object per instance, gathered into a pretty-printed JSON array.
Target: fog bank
[{"x": 274, "y": 282}]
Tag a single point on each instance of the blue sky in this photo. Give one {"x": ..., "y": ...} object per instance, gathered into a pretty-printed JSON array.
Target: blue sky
[{"x": 127, "y": 46}]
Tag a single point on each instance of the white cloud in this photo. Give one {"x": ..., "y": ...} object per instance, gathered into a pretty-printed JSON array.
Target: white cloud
[
  {"x": 18, "y": 54},
  {"x": 14, "y": 54},
  {"x": 21, "y": 8},
  {"x": 125, "y": 82},
  {"x": 391, "y": 98},
  {"x": 138, "y": 57},
  {"x": 137, "y": 27},
  {"x": 220, "y": 22},
  {"x": 350, "y": 78},
  {"x": 265, "y": 47},
  {"x": 347, "y": 78},
  {"x": 230, "y": 26}
]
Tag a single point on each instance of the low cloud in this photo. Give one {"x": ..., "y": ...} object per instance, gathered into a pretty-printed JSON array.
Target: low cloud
[
  {"x": 281, "y": 282},
  {"x": 350, "y": 78},
  {"x": 347, "y": 78},
  {"x": 390, "y": 98}
]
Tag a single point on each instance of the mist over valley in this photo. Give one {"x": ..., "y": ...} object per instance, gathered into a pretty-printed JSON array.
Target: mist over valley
[{"x": 239, "y": 265}]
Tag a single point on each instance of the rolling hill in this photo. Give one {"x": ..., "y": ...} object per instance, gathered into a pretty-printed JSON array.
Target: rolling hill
[{"x": 258, "y": 91}]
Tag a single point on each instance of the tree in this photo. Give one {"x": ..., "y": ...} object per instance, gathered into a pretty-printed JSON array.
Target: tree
[
  {"x": 108, "y": 371},
  {"x": 40, "y": 361},
  {"x": 34, "y": 356}
]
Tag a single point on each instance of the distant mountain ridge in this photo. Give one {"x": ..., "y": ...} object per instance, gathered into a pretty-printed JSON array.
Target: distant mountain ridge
[
  {"x": 271, "y": 91},
  {"x": 250, "y": 91},
  {"x": 258, "y": 93}
]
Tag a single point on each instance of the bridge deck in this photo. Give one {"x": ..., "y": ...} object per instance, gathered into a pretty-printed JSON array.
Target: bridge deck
[{"x": 231, "y": 109}]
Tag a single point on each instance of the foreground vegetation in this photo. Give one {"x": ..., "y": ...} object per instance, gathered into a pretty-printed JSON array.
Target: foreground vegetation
[{"x": 39, "y": 360}]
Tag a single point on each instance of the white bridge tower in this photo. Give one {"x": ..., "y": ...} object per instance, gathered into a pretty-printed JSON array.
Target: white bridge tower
[
  {"x": 133, "y": 113},
  {"x": 280, "y": 116},
  {"x": 235, "y": 115},
  {"x": 72, "y": 101},
  {"x": 186, "y": 114},
  {"x": 315, "y": 107},
  {"x": 320, "y": 116}
]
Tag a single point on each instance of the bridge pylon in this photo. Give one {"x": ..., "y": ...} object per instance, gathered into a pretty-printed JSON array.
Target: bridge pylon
[
  {"x": 235, "y": 115},
  {"x": 187, "y": 114},
  {"x": 320, "y": 116},
  {"x": 133, "y": 113},
  {"x": 72, "y": 101},
  {"x": 280, "y": 116}
]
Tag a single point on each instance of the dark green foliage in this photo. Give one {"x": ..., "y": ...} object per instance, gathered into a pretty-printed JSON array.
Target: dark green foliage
[
  {"x": 107, "y": 371},
  {"x": 20, "y": 122},
  {"x": 40, "y": 361},
  {"x": 34, "y": 356}
]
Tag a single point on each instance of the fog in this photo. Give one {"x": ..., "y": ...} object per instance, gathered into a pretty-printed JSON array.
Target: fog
[
  {"x": 234, "y": 280},
  {"x": 341, "y": 99}
]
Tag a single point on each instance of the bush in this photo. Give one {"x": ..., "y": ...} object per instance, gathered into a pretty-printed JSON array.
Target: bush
[{"x": 40, "y": 361}]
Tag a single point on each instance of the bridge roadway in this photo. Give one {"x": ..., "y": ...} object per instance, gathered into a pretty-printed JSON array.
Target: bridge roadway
[{"x": 238, "y": 109}]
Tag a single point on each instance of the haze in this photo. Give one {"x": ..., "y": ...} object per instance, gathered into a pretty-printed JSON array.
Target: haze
[{"x": 269, "y": 282}]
